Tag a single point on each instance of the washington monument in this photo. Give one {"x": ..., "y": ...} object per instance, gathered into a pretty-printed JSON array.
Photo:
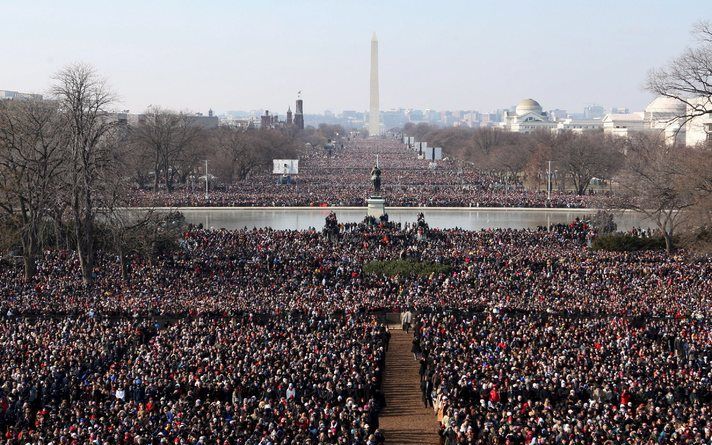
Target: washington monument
[{"x": 374, "y": 126}]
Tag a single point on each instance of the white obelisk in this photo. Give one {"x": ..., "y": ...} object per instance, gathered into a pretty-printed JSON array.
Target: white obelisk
[{"x": 374, "y": 126}]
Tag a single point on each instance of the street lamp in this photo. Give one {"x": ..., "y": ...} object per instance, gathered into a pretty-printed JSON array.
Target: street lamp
[
  {"x": 206, "y": 179},
  {"x": 548, "y": 183}
]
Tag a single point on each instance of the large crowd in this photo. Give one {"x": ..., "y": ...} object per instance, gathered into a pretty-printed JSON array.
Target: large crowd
[
  {"x": 259, "y": 336},
  {"x": 341, "y": 178},
  {"x": 533, "y": 378},
  {"x": 228, "y": 272},
  {"x": 248, "y": 380}
]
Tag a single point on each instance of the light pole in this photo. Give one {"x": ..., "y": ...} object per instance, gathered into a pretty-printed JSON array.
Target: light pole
[
  {"x": 548, "y": 183},
  {"x": 206, "y": 179}
]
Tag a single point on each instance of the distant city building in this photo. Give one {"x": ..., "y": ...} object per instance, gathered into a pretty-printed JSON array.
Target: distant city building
[
  {"x": 202, "y": 121},
  {"x": 267, "y": 121},
  {"x": 16, "y": 95},
  {"x": 124, "y": 118},
  {"x": 594, "y": 112},
  {"x": 431, "y": 116},
  {"x": 698, "y": 130},
  {"x": 623, "y": 124},
  {"x": 661, "y": 116},
  {"x": 299, "y": 115},
  {"x": 527, "y": 117},
  {"x": 415, "y": 116},
  {"x": 579, "y": 125},
  {"x": 558, "y": 115},
  {"x": 295, "y": 120},
  {"x": 471, "y": 119},
  {"x": 489, "y": 119},
  {"x": 250, "y": 122},
  {"x": 500, "y": 113},
  {"x": 394, "y": 118},
  {"x": 352, "y": 119}
]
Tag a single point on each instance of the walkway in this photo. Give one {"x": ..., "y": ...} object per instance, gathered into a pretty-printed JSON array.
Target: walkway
[{"x": 405, "y": 421}]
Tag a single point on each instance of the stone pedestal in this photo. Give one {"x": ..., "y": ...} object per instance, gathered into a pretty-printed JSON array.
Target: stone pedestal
[{"x": 376, "y": 206}]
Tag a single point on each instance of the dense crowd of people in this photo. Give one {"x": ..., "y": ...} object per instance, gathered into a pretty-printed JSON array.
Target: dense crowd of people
[
  {"x": 532, "y": 378},
  {"x": 224, "y": 272},
  {"x": 342, "y": 179},
  {"x": 260, "y": 336},
  {"x": 231, "y": 380}
]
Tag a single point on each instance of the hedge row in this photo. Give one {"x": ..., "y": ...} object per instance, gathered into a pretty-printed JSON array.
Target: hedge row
[
  {"x": 404, "y": 267},
  {"x": 627, "y": 243}
]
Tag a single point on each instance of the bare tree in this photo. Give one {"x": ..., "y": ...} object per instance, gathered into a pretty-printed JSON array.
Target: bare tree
[
  {"x": 655, "y": 183},
  {"x": 510, "y": 158},
  {"x": 83, "y": 98},
  {"x": 584, "y": 157},
  {"x": 697, "y": 162},
  {"x": 139, "y": 162},
  {"x": 242, "y": 151},
  {"x": 30, "y": 160},
  {"x": 129, "y": 233},
  {"x": 540, "y": 146},
  {"x": 484, "y": 140},
  {"x": 271, "y": 144},
  {"x": 688, "y": 78},
  {"x": 123, "y": 231},
  {"x": 167, "y": 136},
  {"x": 233, "y": 153}
]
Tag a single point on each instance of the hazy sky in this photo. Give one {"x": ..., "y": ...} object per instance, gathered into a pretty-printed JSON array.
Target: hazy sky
[{"x": 229, "y": 55}]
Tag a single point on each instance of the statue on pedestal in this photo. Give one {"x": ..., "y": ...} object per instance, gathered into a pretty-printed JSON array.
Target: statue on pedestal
[
  {"x": 376, "y": 178},
  {"x": 376, "y": 203}
]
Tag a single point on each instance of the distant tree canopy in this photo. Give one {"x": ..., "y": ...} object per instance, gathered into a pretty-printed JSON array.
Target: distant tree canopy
[
  {"x": 166, "y": 150},
  {"x": 578, "y": 158},
  {"x": 670, "y": 185}
]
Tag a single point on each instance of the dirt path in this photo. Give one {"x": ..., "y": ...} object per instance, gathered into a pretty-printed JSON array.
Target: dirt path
[{"x": 405, "y": 421}]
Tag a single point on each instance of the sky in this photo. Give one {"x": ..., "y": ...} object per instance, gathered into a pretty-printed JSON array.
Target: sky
[{"x": 257, "y": 54}]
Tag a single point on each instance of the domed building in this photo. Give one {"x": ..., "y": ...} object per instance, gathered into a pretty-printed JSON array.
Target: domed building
[
  {"x": 664, "y": 108},
  {"x": 698, "y": 129},
  {"x": 528, "y": 106},
  {"x": 661, "y": 116},
  {"x": 528, "y": 116}
]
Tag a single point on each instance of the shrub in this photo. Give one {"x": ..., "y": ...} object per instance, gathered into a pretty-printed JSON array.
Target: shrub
[
  {"x": 698, "y": 240},
  {"x": 627, "y": 243},
  {"x": 604, "y": 222},
  {"x": 404, "y": 267}
]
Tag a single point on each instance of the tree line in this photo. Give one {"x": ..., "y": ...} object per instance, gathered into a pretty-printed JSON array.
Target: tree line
[
  {"x": 59, "y": 165},
  {"x": 68, "y": 167},
  {"x": 577, "y": 158},
  {"x": 670, "y": 185},
  {"x": 174, "y": 149}
]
